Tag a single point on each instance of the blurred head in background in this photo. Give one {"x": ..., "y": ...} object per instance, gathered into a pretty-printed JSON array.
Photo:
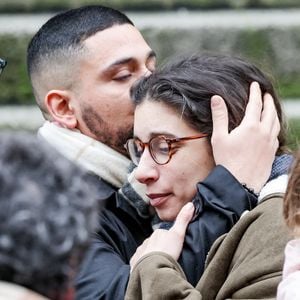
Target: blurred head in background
[{"x": 47, "y": 211}]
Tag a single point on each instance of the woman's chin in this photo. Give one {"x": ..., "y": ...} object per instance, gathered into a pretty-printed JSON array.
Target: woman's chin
[{"x": 166, "y": 217}]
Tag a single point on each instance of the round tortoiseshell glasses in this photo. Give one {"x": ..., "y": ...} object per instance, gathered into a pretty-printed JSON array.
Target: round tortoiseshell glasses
[{"x": 160, "y": 147}]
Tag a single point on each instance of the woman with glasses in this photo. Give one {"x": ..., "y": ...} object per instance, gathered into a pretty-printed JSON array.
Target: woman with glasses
[{"x": 172, "y": 148}]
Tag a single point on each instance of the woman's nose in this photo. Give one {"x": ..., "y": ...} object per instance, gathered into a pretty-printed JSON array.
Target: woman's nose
[{"x": 147, "y": 169}]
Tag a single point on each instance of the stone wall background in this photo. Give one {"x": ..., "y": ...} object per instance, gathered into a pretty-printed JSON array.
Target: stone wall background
[{"x": 269, "y": 38}]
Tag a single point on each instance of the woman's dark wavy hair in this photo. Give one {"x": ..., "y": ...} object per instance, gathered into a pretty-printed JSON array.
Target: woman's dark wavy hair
[
  {"x": 47, "y": 211},
  {"x": 187, "y": 85}
]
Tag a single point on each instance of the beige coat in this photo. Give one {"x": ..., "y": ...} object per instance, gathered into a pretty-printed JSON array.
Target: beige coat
[{"x": 246, "y": 263}]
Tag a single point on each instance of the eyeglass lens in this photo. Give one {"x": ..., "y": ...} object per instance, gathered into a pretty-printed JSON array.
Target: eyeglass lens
[{"x": 158, "y": 148}]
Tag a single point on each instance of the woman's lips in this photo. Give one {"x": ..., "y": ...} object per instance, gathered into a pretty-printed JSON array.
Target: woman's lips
[{"x": 158, "y": 199}]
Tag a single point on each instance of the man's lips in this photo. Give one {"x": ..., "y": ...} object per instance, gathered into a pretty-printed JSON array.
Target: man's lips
[{"x": 158, "y": 199}]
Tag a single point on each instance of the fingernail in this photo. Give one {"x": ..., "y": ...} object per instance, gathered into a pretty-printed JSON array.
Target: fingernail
[
  {"x": 215, "y": 101},
  {"x": 189, "y": 206},
  {"x": 268, "y": 97}
]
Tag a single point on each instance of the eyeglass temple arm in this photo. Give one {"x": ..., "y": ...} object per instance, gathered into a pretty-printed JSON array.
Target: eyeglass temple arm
[{"x": 199, "y": 136}]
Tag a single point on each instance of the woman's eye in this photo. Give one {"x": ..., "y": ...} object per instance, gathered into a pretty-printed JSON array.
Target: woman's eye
[{"x": 163, "y": 149}]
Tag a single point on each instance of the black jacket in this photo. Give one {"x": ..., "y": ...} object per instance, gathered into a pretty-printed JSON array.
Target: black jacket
[
  {"x": 105, "y": 271},
  {"x": 220, "y": 201}
]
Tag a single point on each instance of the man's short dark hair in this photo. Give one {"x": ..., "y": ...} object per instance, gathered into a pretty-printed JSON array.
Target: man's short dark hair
[
  {"x": 59, "y": 41},
  {"x": 48, "y": 210}
]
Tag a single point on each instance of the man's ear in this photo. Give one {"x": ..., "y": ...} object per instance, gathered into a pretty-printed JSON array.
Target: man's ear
[{"x": 58, "y": 103}]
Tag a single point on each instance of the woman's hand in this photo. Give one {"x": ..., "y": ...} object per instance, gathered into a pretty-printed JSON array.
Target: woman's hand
[{"x": 167, "y": 241}]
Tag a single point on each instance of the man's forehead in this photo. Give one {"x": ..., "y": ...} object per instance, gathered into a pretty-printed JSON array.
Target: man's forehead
[
  {"x": 117, "y": 35},
  {"x": 118, "y": 43}
]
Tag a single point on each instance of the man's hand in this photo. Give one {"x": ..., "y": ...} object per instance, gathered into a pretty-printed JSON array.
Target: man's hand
[
  {"x": 249, "y": 150},
  {"x": 167, "y": 241}
]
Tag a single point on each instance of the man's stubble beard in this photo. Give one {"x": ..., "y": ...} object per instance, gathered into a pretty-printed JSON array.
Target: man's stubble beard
[{"x": 103, "y": 132}]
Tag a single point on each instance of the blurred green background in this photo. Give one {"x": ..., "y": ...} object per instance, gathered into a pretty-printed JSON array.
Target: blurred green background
[
  {"x": 274, "y": 48},
  {"x": 143, "y": 5}
]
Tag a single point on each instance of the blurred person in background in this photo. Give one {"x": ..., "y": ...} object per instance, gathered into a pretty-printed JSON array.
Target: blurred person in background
[
  {"x": 289, "y": 287},
  {"x": 48, "y": 210}
]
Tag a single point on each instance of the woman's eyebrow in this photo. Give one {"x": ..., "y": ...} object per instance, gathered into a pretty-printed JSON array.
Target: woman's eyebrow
[{"x": 157, "y": 133}]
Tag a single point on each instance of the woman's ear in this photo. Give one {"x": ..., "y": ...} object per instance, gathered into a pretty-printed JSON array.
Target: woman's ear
[{"x": 58, "y": 103}]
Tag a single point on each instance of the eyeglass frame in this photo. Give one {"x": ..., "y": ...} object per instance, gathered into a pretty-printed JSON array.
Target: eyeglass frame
[
  {"x": 169, "y": 141},
  {"x": 3, "y": 64}
]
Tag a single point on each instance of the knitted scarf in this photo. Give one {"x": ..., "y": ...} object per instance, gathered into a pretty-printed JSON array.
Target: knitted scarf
[
  {"x": 278, "y": 180},
  {"x": 98, "y": 158},
  {"x": 88, "y": 153}
]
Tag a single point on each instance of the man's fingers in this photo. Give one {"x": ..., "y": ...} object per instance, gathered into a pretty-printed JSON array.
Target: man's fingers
[
  {"x": 183, "y": 218},
  {"x": 255, "y": 104},
  {"x": 219, "y": 116},
  {"x": 269, "y": 117}
]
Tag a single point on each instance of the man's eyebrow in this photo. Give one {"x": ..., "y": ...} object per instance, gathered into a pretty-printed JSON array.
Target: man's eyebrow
[
  {"x": 126, "y": 60},
  {"x": 119, "y": 62}
]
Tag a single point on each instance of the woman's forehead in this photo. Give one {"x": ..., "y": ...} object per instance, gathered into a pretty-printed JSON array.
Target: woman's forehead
[{"x": 153, "y": 118}]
